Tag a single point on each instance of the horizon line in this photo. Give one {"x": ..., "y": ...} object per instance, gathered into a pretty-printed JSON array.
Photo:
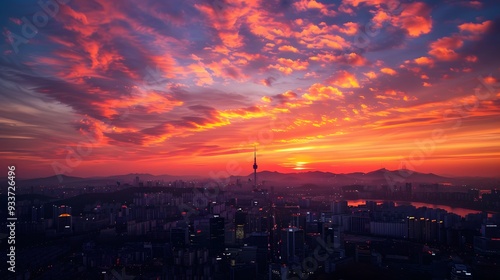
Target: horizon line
[{"x": 302, "y": 171}]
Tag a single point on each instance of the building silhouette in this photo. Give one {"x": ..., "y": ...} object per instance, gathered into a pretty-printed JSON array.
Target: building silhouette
[{"x": 292, "y": 249}]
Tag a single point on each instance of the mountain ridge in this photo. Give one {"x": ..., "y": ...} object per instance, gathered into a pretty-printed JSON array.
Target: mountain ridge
[{"x": 375, "y": 177}]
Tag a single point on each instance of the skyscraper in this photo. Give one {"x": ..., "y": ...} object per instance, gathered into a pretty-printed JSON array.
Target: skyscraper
[
  {"x": 240, "y": 221},
  {"x": 292, "y": 240},
  {"x": 216, "y": 234}
]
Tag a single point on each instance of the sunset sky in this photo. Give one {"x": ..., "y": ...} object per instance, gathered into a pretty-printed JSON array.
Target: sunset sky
[{"x": 95, "y": 87}]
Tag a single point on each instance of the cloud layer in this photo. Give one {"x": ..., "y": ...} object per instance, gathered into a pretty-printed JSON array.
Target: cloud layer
[{"x": 188, "y": 87}]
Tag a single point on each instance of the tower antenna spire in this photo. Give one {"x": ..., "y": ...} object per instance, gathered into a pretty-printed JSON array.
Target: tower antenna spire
[{"x": 255, "y": 166}]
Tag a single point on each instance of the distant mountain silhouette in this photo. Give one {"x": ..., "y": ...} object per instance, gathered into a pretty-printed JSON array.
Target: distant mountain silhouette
[
  {"x": 377, "y": 177},
  {"x": 69, "y": 181},
  {"x": 50, "y": 181},
  {"x": 273, "y": 178}
]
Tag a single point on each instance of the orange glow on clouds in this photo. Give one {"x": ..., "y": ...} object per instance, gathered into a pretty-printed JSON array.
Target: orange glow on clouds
[{"x": 191, "y": 87}]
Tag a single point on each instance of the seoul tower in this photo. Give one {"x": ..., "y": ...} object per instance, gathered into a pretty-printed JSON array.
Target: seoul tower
[{"x": 255, "y": 168}]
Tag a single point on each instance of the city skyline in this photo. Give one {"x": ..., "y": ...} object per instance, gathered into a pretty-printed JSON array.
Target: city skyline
[{"x": 191, "y": 88}]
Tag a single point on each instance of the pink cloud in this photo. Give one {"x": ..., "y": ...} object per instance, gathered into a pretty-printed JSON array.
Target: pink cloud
[
  {"x": 471, "y": 58},
  {"x": 415, "y": 19},
  {"x": 475, "y": 28},
  {"x": 444, "y": 48}
]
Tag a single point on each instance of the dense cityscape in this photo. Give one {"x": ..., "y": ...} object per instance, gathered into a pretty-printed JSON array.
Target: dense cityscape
[{"x": 250, "y": 139}]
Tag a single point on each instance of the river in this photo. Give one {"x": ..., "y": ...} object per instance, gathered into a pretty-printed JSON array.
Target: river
[{"x": 457, "y": 210}]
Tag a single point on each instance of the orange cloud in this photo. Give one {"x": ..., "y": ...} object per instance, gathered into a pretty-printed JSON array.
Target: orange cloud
[
  {"x": 348, "y": 58},
  {"x": 424, "y": 61},
  {"x": 309, "y": 30},
  {"x": 415, "y": 19},
  {"x": 204, "y": 78},
  {"x": 344, "y": 79},
  {"x": 388, "y": 71},
  {"x": 356, "y": 3},
  {"x": 380, "y": 17},
  {"x": 265, "y": 24},
  {"x": 354, "y": 59},
  {"x": 475, "y": 28},
  {"x": 227, "y": 69},
  {"x": 372, "y": 75},
  {"x": 288, "y": 48},
  {"x": 225, "y": 23},
  {"x": 350, "y": 28},
  {"x": 444, "y": 48},
  {"x": 490, "y": 80},
  {"x": 304, "y": 5},
  {"x": 153, "y": 103},
  {"x": 395, "y": 95},
  {"x": 231, "y": 39},
  {"x": 289, "y": 94},
  {"x": 316, "y": 37},
  {"x": 228, "y": 21},
  {"x": 244, "y": 113},
  {"x": 321, "y": 92},
  {"x": 287, "y": 66}
]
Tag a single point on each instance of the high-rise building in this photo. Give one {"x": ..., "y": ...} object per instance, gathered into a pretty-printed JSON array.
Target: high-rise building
[
  {"x": 292, "y": 240},
  {"x": 121, "y": 220},
  {"x": 339, "y": 207},
  {"x": 216, "y": 235},
  {"x": 199, "y": 233},
  {"x": 37, "y": 213},
  {"x": 240, "y": 232},
  {"x": 332, "y": 234},
  {"x": 360, "y": 224},
  {"x": 488, "y": 244},
  {"x": 240, "y": 222}
]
